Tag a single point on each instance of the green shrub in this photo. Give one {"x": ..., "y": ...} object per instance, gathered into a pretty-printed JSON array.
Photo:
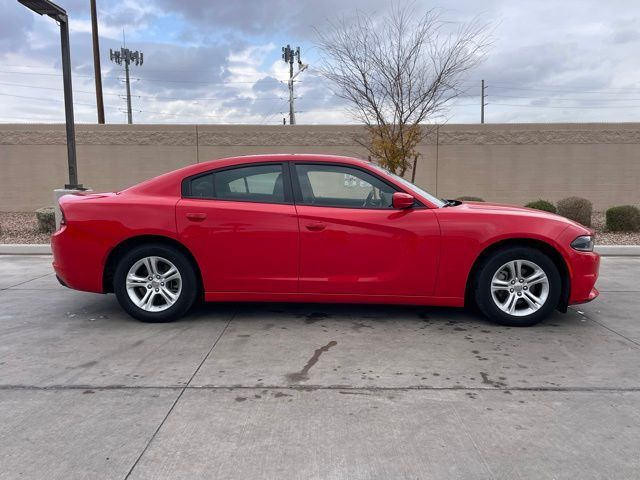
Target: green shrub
[
  {"x": 576, "y": 209},
  {"x": 543, "y": 205},
  {"x": 470, "y": 199},
  {"x": 46, "y": 220},
  {"x": 623, "y": 218}
]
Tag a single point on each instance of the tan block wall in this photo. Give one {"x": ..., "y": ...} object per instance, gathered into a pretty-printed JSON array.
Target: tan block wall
[{"x": 502, "y": 163}]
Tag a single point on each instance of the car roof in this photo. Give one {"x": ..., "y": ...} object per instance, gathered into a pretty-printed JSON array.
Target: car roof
[
  {"x": 283, "y": 157},
  {"x": 166, "y": 183}
]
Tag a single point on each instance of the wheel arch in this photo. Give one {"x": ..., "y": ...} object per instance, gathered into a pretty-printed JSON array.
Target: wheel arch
[
  {"x": 116, "y": 253},
  {"x": 548, "y": 249}
]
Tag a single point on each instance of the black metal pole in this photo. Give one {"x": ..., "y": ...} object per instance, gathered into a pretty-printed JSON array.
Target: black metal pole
[
  {"x": 126, "y": 70},
  {"x": 482, "y": 104},
  {"x": 96, "y": 62},
  {"x": 68, "y": 104},
  {"x": 292, "y": 113}
]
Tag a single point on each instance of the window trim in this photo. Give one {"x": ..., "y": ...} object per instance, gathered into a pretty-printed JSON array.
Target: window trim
[
  {"x": 286, "y": 177},
  {"x": 297, "y": 191}
]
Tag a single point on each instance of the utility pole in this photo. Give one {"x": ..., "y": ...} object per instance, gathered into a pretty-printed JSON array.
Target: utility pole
[
  {"x": 289, "y": 55},
  {"x": 482, "y": 104},
  {"x": 96, "y": 62},
  {"x": 127, "y": 56}
]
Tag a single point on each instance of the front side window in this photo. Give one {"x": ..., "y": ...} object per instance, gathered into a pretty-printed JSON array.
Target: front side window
[
  {"x": 342, "y": 186},
  {"x": 251, "y": 183}
]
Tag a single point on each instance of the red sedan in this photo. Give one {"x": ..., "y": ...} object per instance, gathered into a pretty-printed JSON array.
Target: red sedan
[{"x": 317, "y": 228}]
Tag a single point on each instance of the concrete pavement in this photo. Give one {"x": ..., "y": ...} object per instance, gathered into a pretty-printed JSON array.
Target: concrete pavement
[{"x": 314, "y": 391}]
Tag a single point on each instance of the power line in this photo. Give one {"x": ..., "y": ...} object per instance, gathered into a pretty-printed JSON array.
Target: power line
[
  {"x": 570, "y": 99},
  {"x": 575, "y": 90},
  {"x": 567, "y": 107},
  {"x": 160, "y": 80},
  {"x": 57, "y": 100},
  {"x": 155, "y": 97}
]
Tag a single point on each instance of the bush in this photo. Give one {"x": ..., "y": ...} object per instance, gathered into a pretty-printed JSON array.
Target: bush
[
  {"x": 623, "y": 218},
  {"x": 576, "y": 209},
  {"x": 543, "y": 205},
  {"x": 46, "y": 220},
  {"x": 470, "y": 199}
]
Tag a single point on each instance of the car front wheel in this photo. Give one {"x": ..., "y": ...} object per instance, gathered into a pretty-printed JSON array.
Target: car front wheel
[
  {"x": 155, "y": 283},
  {"x": 518, "y": 286}
]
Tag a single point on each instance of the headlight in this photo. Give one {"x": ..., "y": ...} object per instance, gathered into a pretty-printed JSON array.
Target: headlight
[{"x": 583, "y": 243}]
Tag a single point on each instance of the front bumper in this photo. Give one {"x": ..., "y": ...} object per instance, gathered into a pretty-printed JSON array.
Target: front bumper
[{"x": 583, "y": 270}]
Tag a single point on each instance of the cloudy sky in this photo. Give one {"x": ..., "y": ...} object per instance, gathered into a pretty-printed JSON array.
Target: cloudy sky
[{"x": 218, "y": 61}]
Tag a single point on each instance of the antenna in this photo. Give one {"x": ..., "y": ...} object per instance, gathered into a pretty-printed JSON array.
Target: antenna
[
  {"x": 126, "y": 56},
  {"x": 289, "y": 56}
]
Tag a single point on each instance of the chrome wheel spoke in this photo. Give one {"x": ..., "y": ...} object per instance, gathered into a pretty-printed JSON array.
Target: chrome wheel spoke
[
  {"x": 497, "y": 285},
  {"x": 511, "y": 267},
  {"x": 517, "y": 267},
  {"x": 168, "y": 295},
  {"x": 149, "y": 266},
  {"x": 136, "y": 281},
  {"x": 537, "y": 277},
  {"x": 533, "y": 301},
  {"x": 147, "y": 299},
  {"x": 509, "y": 304},
  {"x": 171, "y": 274}
]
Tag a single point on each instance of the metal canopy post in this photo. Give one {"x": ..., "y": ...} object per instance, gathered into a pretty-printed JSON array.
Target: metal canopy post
[{"x": 45, "y": 7}]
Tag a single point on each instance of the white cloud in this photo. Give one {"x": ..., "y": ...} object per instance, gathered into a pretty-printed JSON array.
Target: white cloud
[{"x": 551, "y": 61}]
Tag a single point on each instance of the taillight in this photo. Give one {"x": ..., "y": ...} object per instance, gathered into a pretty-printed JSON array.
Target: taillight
[{"x": 62, "y": 219}]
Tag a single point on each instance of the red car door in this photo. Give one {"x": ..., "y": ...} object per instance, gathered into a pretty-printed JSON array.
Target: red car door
[
  {"x": 352, "y": 241},
  {"x": 240, "y": 223}
]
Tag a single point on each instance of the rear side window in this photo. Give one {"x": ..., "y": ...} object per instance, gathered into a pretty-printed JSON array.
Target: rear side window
[{"x": 251, "y": 183}]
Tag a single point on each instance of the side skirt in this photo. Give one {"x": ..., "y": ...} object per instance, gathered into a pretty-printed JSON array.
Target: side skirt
[{"x": 332, "y": 298}]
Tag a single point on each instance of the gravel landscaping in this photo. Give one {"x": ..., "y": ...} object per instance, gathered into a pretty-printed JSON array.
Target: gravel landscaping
[
  {"x": 20, "y": 227},
  {"x": 611, "y": 238}
]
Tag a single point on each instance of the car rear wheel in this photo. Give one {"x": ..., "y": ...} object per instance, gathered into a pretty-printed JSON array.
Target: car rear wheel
[
  {"x": 518, "y": 286},
  {"x": 155, "y": 283}
]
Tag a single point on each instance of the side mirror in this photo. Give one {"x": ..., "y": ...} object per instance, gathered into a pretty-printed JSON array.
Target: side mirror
[{"x": 402, "y": 200}]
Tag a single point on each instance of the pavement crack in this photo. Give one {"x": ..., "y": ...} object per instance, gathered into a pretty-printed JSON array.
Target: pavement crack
[
  {"x": 637, "y": 344},
  {"x": 175, "y": 402},
  {"x": 309, "y": 388},
  {"x": 473, "y": 442},
  {"x": 304, "y": 373},
  {"x": 26, "y": 281}
]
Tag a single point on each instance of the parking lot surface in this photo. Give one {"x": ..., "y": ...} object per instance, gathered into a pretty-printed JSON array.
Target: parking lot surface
[{"x": 314, "y": 391}]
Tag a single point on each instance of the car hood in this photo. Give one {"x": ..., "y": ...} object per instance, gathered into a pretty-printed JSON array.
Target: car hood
[{"x": 499, "y": 208}]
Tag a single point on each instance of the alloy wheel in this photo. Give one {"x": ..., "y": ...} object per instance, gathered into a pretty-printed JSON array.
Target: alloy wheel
[
  {"x": 154, "y": 284},
  {"x": 520, "y": 288}
]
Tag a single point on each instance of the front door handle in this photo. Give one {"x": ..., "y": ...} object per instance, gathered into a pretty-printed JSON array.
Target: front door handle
[
  {"x": 316, "y": 226},
  {"x": 196, "y": 216}
]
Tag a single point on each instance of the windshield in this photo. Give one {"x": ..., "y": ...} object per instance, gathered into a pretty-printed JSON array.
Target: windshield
[{"x": 415, "y": 189}]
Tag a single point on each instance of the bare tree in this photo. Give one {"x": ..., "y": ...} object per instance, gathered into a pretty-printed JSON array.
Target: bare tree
[{"x": 398, "y": 72}]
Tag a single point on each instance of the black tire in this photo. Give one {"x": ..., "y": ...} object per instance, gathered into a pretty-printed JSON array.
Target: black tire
[
  {"x": 493, "y": 263},
  {"x": 188, "y": 292}
]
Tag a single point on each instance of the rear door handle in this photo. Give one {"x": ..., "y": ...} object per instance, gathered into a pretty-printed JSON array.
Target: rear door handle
[
  {"x": 196, "y": 217},
  {"x": 316, "y": 227}
]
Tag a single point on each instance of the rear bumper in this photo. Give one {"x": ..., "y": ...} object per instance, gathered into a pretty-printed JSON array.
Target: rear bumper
[{"x": 78, "y": 263}]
